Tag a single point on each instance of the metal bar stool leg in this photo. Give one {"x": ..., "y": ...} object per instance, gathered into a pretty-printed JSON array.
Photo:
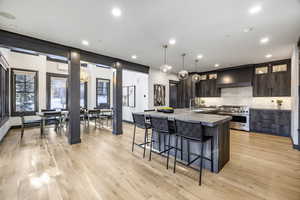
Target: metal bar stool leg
[
  {"x": 133, "y": 139},
  {"x": 151, "y": 143},
  {"x": 212, "y": 154},
  {"x": 169, "y": 142},
  {"x": 200, "y": 163},
  {"x": 181, "y": 147},
  {"x": 175, "y": 159},
  {"x": 145, "y": 141}
]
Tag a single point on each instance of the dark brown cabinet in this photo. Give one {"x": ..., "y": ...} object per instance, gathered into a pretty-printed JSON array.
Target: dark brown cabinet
[
  {"x": 272, "y": 79},
  {"x": 275, "y": 122},
  {"x": 207, "y": 87}
]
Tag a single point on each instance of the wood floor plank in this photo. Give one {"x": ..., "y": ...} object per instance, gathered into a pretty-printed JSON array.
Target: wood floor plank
[{"x": 103, "y": 167}]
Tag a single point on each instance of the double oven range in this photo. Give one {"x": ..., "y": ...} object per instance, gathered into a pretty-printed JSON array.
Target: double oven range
[{"x": 240, "y": 116}]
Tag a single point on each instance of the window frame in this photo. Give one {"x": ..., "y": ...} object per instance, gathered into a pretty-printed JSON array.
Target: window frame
[
  {"x": 4, "y": 90},
  {"x": 13, "y": 93},
  {"x": 85, "y": 93},
  {"x": 49, "y": 75},
  {"x": 108, "y": 94}
]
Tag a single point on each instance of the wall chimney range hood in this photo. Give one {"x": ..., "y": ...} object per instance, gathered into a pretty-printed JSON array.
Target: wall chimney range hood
[{"x": 237, "y": 77}]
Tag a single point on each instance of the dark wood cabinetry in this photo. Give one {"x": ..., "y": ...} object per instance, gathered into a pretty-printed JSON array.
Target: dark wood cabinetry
[
  {"x": 272, "y": 79},
  {"x": 207, "y": 87},
  {"x": 276, "y": 122}
]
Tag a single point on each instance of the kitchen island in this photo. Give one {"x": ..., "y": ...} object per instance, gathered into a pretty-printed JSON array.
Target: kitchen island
[{"x": 216, "y": 126}]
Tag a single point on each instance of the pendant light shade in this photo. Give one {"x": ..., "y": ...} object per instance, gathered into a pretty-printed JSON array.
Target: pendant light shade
[
  {"x": 183, "y": 74},
  {"x": 196, "y": 77},
  {"x": 165, "y": 67}
]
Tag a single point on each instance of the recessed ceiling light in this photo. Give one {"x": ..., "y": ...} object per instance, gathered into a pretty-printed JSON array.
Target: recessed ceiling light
[
  {"x": 116, "y": 12},
  {"x": 248, "y": 29},
  {"x": 264, "y": 40},
  {"x": 268, "y": 56},
  {"x": 172, "y": 41},
  {"x": 199, "y": 56},
  {"x": 255, "y": 9},
  {"x": 85, "y": 42},
  {"x": 217, "y": 65},
  {"x": 134, "y": 57}
]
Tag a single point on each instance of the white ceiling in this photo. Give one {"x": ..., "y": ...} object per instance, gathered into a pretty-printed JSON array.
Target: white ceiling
[{"x": 213, "y": 28}]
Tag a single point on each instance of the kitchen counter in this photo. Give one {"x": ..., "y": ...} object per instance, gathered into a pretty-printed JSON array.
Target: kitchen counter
[
  {"x": 283, "y": 109},
  {"x": 210, "y": 120},
  {"x": 216, "y": 126}
]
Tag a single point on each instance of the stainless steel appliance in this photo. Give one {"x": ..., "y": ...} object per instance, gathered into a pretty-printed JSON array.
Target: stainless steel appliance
[{"x": 240, "y": 116}]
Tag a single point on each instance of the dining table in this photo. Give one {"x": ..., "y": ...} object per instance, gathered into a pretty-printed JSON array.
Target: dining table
[{"x": 50, "y": 114}]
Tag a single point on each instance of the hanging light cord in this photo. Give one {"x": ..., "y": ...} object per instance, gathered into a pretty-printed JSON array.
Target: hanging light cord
[
  {"x": 165, "y": 53},
  {"x": 196, "y": 62},
  {"x": 183, "y": 60}
]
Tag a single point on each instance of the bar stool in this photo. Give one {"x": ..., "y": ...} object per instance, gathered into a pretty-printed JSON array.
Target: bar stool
[
  {"x": 161, "y": 126},
  {"x": 140, "y": 122},
  {"x": 192, "y": 132}
]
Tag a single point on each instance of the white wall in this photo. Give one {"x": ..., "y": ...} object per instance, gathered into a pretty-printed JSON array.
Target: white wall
[
  {"x": 158, "y": 77},
  {"x": 244, "y": 96},
  {"x": 295, "y": 94},
  {"x": 139, "y": 80}
]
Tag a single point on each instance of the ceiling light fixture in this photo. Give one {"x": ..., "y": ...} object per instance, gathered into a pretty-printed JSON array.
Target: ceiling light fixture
[
  {"x": 134, "y": 57},
  {"x": 255, "y": 9},
  {"x": 264, "y": 40},
  {"x": 217, "y": 65},
  {"x": 268, "y": 56},
  {"x": 199, "y": 56},
  {"x": 165, "y": 67},
  {"x": 85, "y": 42},
  {"x": 116, "y": 12},
  {"x": 248, "y": 29},
  {"x": 196, "y": 76},
  {"x": 183, "y": 74},
  {"x": 172, "y": 41}
]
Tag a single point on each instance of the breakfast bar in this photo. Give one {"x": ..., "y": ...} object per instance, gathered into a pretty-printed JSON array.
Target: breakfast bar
[{"x": 216, "y": 126}]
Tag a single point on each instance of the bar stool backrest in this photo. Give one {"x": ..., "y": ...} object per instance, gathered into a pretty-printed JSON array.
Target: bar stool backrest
[
  {"x": 190, "y": 130},
  {"x": 160, "y": 124},
  {"x": 48, "y": 110},
  {"x": 52, "y": 114},
  {"x": 139, "y": 120}
]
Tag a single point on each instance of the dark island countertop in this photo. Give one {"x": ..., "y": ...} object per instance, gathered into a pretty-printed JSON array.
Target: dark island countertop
[{"x": 188, "y": 115}]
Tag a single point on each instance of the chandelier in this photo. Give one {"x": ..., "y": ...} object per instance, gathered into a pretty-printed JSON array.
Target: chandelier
[
  {"x": 183, "y": 74},
  {"x": 196, "y": 77},
  {"x": 84, "y": 76},
  {"x": 165, "y": 67}
]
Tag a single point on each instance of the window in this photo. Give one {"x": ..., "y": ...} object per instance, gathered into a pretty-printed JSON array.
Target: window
[
  {"x": 102, "y": 93},
  {"x": 3, "y": 94},
  {"x": 24, "y": 92},
  {"x": 57, "y": 85},
  {"x": 83, "y": 95}
]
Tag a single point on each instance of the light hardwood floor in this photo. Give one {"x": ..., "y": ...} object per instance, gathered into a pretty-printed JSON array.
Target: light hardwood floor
[{"x": 103, "y": 167}]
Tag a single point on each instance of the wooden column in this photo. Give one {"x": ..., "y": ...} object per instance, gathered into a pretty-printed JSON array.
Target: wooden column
[
  {"x": 74, "y": 97},
  {"x": 117, "y": 99}
]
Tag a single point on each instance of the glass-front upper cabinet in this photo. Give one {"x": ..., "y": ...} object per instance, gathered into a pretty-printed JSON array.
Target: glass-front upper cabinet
[
  {"x": 261, "y": 70},
  {"x": 279, "y": 68},
  {"x": 212, "y": 76}
]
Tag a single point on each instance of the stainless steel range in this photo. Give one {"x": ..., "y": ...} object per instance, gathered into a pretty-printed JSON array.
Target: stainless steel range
[{"x": 240, "y": 116}]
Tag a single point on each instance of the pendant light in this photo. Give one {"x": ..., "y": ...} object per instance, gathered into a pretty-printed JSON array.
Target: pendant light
[
  {"x": 165, "y": 67},
  {"x": 183, "y": 74},
  {"x": 196, "y": 77}
]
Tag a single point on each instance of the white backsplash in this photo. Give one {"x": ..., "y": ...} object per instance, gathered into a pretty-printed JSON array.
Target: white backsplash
[{"x": 244, "y": 96}]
